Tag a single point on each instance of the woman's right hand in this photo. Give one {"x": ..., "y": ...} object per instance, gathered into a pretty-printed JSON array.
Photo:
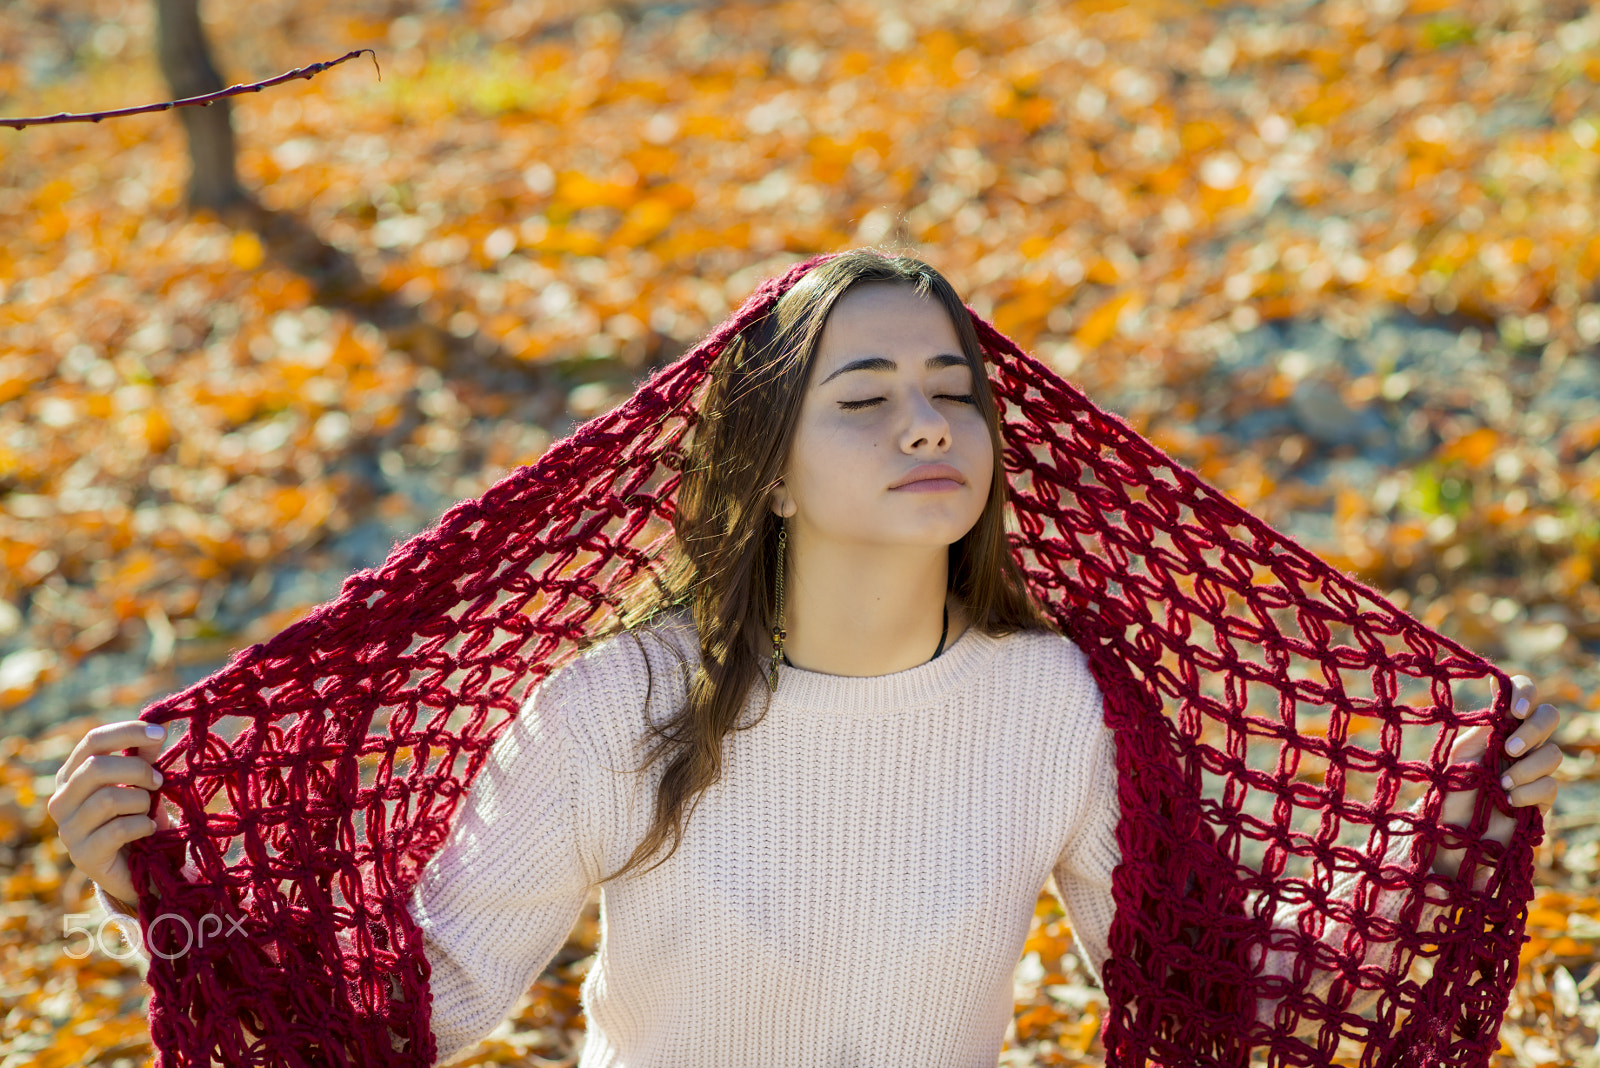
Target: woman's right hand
[{"x": 100, "y": 802}]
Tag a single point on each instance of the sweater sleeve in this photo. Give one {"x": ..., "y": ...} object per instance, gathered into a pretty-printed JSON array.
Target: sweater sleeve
[
  {"x": 1082, "y": 871},
  {"x": 128, "y": 920},
  {"x": 501, "y": 895},
  {"x": 1317, "y": 982},
  {"x": 499, "y": 898},
  {"x": 1083, "y": 885}
]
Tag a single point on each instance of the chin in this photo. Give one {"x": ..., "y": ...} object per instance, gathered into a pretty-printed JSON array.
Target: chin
[{"x": 939, "y": 531}]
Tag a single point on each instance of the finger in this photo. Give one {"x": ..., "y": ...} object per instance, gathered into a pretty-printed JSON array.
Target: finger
[
  {"x": 1535, "y": 731},
  {"x": 113, "y": 738},
  {"x": 1541, "y": 792},
  {"x": 1522, "y": 695},
  {"x": 99, "y": 808},
  {"x": 97, "y": 770},
  {"x": 1537, "y": 764},
  {"x": 100, "y": 848},
  {"x": 1470, "y": 745}
]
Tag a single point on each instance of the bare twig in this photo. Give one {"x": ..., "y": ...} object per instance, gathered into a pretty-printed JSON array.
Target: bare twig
[{"x": 233, "y": 90}]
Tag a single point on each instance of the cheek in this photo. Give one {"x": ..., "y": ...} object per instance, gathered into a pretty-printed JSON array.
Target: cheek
[
  {"x": 839, "y": 435},
  {"x": 978, "y": 449},
  {"x": 837, "y": 469},
  {"x": 826, "y": 453},
  {"x": 983, "y": 475}
]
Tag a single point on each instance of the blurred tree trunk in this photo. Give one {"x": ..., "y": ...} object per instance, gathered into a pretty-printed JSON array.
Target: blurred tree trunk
[{"x": 186, "y": 63}]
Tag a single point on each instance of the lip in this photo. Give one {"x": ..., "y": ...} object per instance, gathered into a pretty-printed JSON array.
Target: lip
[{"x": 930, "y": 472}]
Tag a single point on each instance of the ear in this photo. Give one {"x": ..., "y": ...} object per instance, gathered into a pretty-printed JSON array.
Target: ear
[{"x": 781, "y": 503}]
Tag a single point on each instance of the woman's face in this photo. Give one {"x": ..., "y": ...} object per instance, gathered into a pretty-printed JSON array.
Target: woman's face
[{"x": 889, "y": 392}]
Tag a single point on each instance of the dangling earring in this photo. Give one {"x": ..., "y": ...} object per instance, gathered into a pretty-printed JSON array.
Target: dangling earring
[{"x": 777, "y": 631}]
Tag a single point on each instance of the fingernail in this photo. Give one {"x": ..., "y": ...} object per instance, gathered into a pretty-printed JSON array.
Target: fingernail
[
  {"x": 1521, "y": 707},
  {"x": 155, "y": 730},
  {"x": 1514, "y": 746},
  {"x": 1505, "y": 780},
  {"x": 160, "y": 778}
]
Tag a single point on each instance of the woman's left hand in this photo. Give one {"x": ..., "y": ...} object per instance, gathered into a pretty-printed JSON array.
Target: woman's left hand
[{"x": 1530, "y": 780}]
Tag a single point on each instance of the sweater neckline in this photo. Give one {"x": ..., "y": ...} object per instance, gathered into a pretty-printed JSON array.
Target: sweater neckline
[{"x": 867, "y": 695}]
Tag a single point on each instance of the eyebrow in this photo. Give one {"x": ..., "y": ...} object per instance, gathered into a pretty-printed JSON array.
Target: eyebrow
[{"x": 883, "y": 363}]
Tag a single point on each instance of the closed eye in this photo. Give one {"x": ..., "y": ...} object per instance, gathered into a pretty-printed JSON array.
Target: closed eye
[{"x": 964, "y": 398}]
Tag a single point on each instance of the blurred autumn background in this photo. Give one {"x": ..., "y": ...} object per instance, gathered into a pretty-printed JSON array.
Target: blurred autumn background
[{"x": 1341, "y": 258}]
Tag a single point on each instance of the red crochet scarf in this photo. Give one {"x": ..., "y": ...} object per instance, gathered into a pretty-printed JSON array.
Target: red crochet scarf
[{"x": 1273, "y": 720}]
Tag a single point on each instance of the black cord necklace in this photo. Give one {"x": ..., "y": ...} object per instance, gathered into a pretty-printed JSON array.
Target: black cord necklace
[{"x": 942, "y": 635}]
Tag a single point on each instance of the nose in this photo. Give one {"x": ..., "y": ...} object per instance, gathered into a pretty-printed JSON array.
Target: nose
[{"x": 924, "y": 424}]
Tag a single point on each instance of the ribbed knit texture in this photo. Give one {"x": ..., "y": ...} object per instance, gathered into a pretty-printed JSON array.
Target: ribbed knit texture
[{"x": 855, "y": 890}]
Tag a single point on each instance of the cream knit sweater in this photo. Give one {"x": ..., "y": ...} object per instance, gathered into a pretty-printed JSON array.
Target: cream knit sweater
[{"x": 855, "y": 890}]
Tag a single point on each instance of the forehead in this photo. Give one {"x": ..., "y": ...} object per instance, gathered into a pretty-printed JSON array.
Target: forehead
[{"x": 886, "y": 319}]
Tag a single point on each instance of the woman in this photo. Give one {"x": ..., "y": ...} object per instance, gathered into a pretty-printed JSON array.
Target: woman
[{"x": 838, "y": 865}]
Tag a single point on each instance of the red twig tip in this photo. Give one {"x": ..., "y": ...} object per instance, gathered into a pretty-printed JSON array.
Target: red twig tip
[{"x": 232, "y": 90}]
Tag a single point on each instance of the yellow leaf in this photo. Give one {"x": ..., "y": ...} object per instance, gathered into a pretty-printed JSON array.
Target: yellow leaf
[
  {"x": 1101, "y": 324},
  {"x": 247, "y": 252},
  {"x": 1034, "y": 247},
  {"x": 1102, "y": 272},
  {"x": 1034, "y": 1022},
  {"x": 1476, "y": 448},
  {"x": 1566, "y": 946},
  {"x": 644, "y": 221},
  {"x": 157, "y": 431}
]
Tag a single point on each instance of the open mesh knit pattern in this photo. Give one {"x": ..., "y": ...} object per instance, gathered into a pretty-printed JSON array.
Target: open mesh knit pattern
[{"x": 1277, "y": 724}]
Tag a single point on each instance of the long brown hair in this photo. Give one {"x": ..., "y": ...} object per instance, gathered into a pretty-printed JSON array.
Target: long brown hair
[{"x": 721, "y": 561}]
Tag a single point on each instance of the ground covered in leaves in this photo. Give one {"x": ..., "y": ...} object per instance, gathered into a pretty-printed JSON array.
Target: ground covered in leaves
[{"x": 1339, "y": 258}]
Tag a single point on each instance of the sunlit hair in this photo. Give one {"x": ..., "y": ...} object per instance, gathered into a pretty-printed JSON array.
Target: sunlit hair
[{"x": 721, "y": 564}]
